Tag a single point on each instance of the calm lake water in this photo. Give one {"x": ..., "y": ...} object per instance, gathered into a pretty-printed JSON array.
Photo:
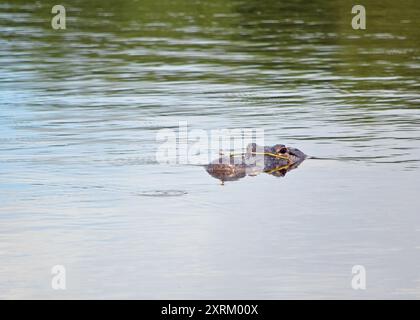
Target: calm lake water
[{"x": 80, "y": 110}]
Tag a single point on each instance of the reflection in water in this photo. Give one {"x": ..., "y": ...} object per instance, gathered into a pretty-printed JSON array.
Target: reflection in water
[{"x": 80, "y": 110}]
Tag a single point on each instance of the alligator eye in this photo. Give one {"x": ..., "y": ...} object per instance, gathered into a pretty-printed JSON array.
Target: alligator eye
[{"x": 283, "y": 150}]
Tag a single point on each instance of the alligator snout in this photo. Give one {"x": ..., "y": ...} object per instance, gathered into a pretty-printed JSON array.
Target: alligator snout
[{"x": 296, "y": 155}]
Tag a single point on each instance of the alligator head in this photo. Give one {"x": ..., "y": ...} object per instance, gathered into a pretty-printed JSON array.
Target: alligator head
[{"x": 289, "y": 154}]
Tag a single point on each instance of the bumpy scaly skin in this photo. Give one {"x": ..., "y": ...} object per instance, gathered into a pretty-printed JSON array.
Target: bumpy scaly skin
[{"x": 276, "y": 160}]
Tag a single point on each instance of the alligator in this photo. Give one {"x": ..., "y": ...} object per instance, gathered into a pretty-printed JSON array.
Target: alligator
[{"x": 275, "y": 160}]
